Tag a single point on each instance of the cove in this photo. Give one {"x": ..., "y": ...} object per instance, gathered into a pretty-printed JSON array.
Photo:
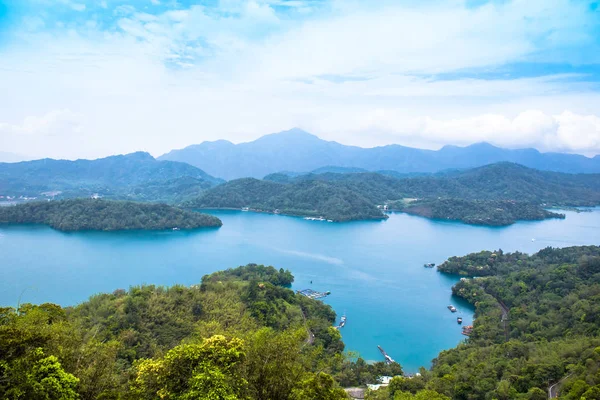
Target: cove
[{"x": 374, "y": 269}]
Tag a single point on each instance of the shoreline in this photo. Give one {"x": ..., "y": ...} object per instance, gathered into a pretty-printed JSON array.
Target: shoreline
[{"x": 286, "y": 214}]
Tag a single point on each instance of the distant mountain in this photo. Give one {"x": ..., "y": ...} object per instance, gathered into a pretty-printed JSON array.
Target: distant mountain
[
  {"x": 135, "y": 176},
  {"x": 296, "y": 150}
]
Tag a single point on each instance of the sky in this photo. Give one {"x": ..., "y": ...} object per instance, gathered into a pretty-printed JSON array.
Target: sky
[{"x": 91, "y": 78}]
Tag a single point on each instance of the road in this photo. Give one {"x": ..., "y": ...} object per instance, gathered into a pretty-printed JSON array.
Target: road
[{"x": 553, "y": 389}]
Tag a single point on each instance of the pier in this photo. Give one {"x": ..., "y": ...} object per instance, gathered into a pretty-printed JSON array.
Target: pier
[
  {"x": 313, "y": 294},
  {"x": 388, "y": 359}
]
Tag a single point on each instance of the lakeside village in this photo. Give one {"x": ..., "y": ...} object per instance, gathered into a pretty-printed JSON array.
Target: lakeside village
[{"x": 383, "y": 381}]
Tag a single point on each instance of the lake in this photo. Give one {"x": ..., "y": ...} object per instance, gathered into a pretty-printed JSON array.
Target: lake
[{"x": 374, "y": 269}]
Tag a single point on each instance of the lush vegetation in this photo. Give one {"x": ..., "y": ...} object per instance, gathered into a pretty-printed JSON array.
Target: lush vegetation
[
  {"x": 136, "y": 176},
  {"x": 104, "y": 215},
  {"x": 498, "y": 194},
  {"x": 476, "y": 212},
  {"x": 239, "y": 334},
  {"x": 306, "y": 198},
  {"x": 242, "y": 334},
  {"x": 538, "y": 323}
]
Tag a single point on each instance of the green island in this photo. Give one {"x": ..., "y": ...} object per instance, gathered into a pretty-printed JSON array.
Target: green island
[
  {"x": 495, "y": 195},
  {"x": 476, "y": 212},
  {"x": 104, "y": 215}
]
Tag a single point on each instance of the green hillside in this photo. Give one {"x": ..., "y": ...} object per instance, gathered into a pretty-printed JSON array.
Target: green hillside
[
  {"x": 104, "y": 215},
  {"x": 136, "y": 176}
]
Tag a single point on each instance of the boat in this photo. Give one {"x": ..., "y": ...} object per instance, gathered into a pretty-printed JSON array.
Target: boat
[
  {"x": 459, "y": 320},
  {"x": 429, "y": 265},
  {"x": 342, "y": 322},
  {"x": 452, "y": 308},
  {"x": 176, "y": 229},
  {"x": 467, "y": 330},
  {"x": 245, "y": 209}
]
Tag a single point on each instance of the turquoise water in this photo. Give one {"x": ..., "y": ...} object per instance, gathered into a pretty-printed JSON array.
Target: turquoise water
[{"x": 374, "y": 269}]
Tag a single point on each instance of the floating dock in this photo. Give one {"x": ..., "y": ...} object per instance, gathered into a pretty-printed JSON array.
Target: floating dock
[
  {"x": 388, "y": 359},
  {"x": 313, "y": 294}
]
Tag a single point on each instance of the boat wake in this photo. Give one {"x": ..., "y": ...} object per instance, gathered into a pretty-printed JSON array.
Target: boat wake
[{"x": 313, "y": 256}]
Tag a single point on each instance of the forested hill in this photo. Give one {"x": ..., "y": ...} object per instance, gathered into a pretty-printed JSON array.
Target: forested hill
[
  {"x": 500, "y": 181},
  {"x": 239, "y": 334},
  {"x": 136, "y": 176},
  {"x": 104, "y": 215},
  {"x": 537, "y": 324},
  {"x": 497, "y": 194},
  {"x": 297, "y": 150},
  {"x": 308, "y": 198}
]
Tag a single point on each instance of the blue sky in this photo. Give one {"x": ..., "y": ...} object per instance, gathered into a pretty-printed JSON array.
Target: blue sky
[{"x": 83, "y": 78}]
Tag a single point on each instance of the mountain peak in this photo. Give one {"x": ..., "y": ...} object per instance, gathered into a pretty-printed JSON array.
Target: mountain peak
[
  {"x": 139, "y": 155},
  {"x": 294, "y": 133}
]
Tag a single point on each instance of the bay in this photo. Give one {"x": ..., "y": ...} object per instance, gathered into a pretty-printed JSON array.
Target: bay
[{"x": 374, "y": 269}]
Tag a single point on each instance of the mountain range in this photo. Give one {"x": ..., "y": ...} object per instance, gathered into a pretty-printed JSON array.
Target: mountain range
[
  {"x": 495, "y": 194},
  {"x": 135, "y": 176},
  {"x": 300, "y": 151}
]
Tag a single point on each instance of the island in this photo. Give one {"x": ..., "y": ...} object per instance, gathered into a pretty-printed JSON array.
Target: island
[
  {"x": 476, "y": 212},
  {"x": 105, "y": 215}
]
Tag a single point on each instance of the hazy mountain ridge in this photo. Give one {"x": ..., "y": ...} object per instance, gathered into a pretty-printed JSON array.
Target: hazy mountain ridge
[
  {"x": 296, "y": 150},
  {"x": 133, "y": 176}
]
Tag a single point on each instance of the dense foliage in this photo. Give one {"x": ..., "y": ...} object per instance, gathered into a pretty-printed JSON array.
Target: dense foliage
[
  {"x": 498, "y": 194},
  {"x": 477, "y": 212},
  {"x": 240, "y": 334},
  {"x": 537, "y": 329},
  {"x": 307, "y": 198},
  {"x": 136, "y": 176},
  {"x": 538, "y": 323},
  {"x": 104, "y": 215}
]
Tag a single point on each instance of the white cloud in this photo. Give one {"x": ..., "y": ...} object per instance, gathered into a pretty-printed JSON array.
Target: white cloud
[
  {"x": 45, "y": 134},
  {"x": 348, "y": 74},
  {"x": 567, "y": 131}
]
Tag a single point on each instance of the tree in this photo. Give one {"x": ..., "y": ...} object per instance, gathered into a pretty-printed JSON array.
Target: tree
[
  {"x": 536, "y": 394},
  {"x": 319, "y": 387},
  {"x": 210, "y": 370},
  {"x": 592, "y": 393},
  {"x": 36, "y": 377}
]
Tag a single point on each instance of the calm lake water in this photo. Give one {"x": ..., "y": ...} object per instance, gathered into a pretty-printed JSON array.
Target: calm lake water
[{"x": 374, "y": 270}]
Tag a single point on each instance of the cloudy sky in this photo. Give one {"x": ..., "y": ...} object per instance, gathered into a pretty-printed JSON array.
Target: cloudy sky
[{"x": 89, "y": 78}]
